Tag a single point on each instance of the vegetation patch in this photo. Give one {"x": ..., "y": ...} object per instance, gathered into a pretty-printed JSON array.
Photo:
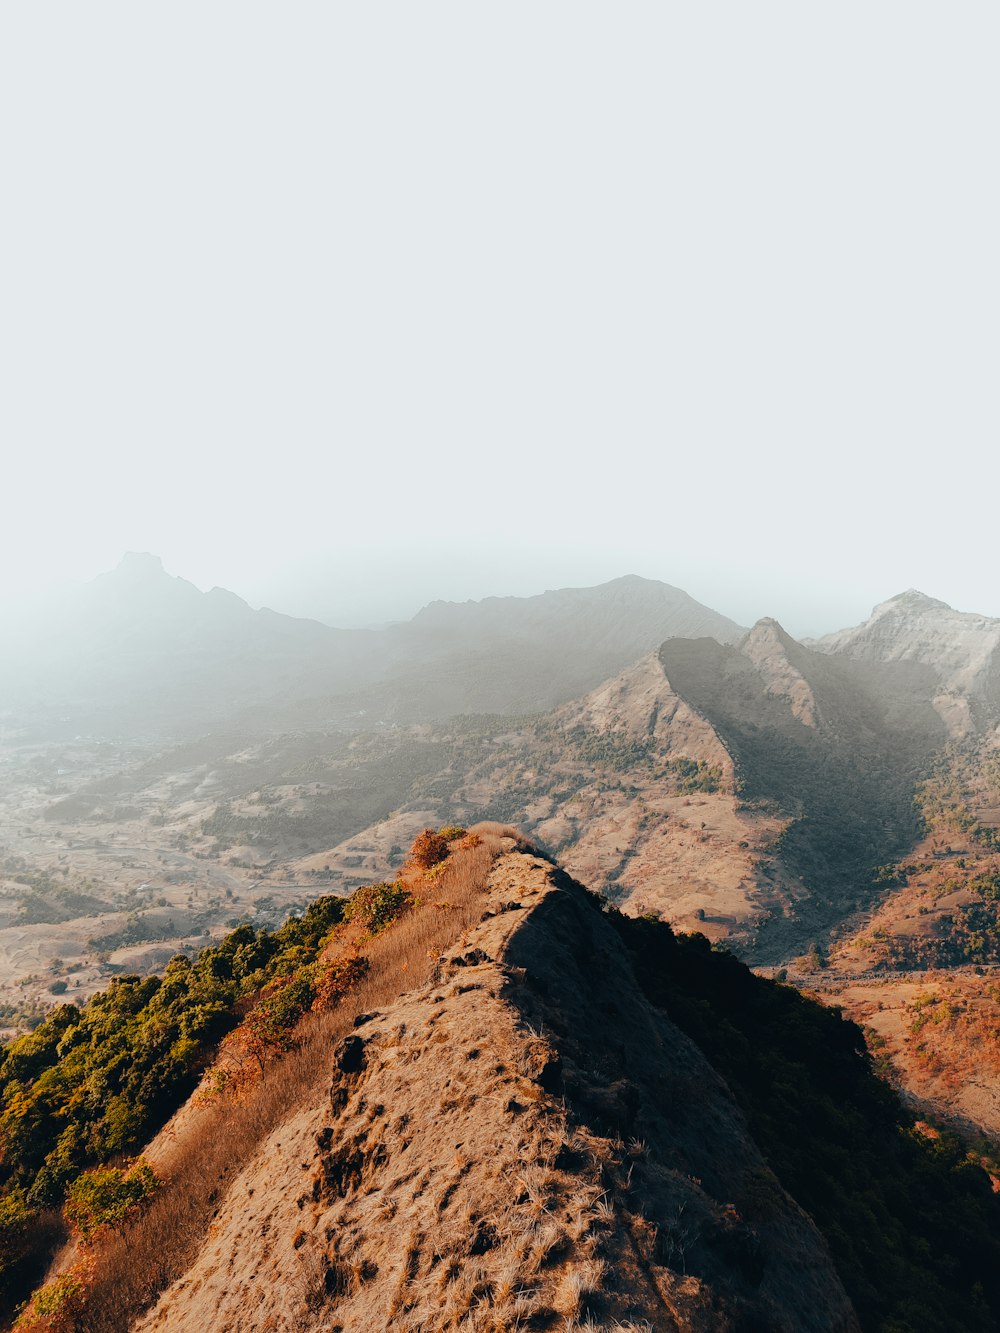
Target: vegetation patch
[
  {"x": 95, "y": 1082},
  {"x": 108, "y": 1195},
  {"x": 376, "y": 906}
]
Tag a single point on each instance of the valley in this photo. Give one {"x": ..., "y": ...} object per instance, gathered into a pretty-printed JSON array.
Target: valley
[{"x": 828, "y": 813}]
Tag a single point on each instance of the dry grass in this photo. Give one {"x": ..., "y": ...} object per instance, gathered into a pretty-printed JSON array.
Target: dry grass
[{"x": 218, "y": 1137}]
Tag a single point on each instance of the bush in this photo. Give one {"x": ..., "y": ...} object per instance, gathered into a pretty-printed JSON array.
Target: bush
[
  {"x": 377, "y": 905},
  {"x": 107, "y": 1195},
  {"x": 429, "y": 849},
  {"x": 452, "y": 832},
  {"x": 55, "y": 1308},
  {"x": 337, "y": 980}
]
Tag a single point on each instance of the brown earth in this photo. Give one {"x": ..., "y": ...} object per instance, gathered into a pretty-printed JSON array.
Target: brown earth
[{"x": 522, "y": 1142}]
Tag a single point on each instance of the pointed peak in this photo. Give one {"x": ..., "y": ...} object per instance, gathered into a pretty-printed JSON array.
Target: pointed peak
[
  {"x": 912, "y": 602},
  {"x": 767, "y": 629}
]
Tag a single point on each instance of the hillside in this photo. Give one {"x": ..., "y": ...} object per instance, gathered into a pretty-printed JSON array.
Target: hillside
[
  {"x": 961, "y": 648},
  {"x": 745, "y": 790},
  {"x": 920, "y": 969},
  {"x": 528, "y": 1112},
  {"x": 833, "y": 747}
]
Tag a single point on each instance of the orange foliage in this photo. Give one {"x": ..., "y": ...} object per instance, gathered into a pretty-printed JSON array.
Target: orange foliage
[
  {"x": 338, "y": 979},
  {"x": 429, "y": 849}
]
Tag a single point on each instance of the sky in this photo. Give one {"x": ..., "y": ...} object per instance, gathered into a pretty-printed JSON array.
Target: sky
[{"x": 346, "y": 307}]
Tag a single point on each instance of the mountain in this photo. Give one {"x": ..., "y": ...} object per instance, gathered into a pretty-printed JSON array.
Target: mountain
[
  {"x": 626, "y": 617},
  {"x": 748, "y": 790},
  {"x": 963, "y": 649},
  {"x": 140, "y": 653},
  {"x": 485, "y": 1103},
  {"x": 832, "y": 745}
]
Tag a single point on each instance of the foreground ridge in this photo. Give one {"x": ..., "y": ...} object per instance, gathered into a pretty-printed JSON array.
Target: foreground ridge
[{"x": 523, "y": 1143}]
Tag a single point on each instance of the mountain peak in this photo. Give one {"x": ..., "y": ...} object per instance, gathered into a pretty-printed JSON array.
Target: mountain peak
[
  {"x": 769, "y": 630},
  {"x": 140, "y": 565},
  {"x": 912, "y": 601}
]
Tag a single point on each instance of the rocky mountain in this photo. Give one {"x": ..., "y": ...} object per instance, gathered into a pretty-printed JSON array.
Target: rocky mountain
[
  {"x": 141, "y": 653},
  {"x": 748, "y": 790},
  {"x": 507, "y": 1107},
  {"x": 833, "y": 746},
  {"x": 963, "y": 650}
]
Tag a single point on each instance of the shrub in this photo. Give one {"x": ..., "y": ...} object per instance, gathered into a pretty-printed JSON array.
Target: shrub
[
  {"x": 378, "y": 905},
  {"x": 451, "y": 832},
  {"x": 337, "y": 979},
  {"x": 270, "y": 1025},
  {"x": 55, "y": 1308},
  {"x": 107, "y": 1195},
  {"x": 429, "y": 849}
]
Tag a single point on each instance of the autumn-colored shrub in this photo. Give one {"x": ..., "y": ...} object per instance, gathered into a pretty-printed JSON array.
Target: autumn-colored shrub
[
  {"x": 378, "y": 905},
  {"x": 429, "y": 849},
  {"x": 106, "y": 1196},
  {"x": 336, "y": 980},
  {"x": 269, "y": 1028},
  {"x": 56, "y": 1307},
  {"x": 451, "y": 832}
]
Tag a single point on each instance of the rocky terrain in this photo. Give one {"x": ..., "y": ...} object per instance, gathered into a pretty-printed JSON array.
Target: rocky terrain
[
  {"x": 471, "y": 1166},
  {"x": 526, "y": 1111},
  {"x": 829, "y": 811},
  {"x": 961, "y": 648}
]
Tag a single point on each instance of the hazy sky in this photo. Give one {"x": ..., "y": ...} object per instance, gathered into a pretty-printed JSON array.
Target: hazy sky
[{"x": 346, "y": 306}]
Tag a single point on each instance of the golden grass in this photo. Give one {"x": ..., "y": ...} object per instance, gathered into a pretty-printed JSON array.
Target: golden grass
[{"x": 219, "y": 1136}]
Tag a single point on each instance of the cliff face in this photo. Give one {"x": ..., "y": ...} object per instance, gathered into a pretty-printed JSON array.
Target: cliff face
[
  {"x": 962, "y": 649},
  {"x": 523, "y": 1143}
]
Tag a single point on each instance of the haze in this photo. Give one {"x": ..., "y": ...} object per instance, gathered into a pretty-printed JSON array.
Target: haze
[{"x": 347, "y": 307}]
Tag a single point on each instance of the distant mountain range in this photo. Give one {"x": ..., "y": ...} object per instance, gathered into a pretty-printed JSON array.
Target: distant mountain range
[{"x": 141, "y": 652}]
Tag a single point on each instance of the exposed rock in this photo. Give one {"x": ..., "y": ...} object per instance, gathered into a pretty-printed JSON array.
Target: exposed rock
[{"x": 538, "y": 1148}]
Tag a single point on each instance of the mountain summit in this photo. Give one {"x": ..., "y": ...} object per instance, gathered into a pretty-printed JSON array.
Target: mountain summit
[{"x": 962, "y": 648}]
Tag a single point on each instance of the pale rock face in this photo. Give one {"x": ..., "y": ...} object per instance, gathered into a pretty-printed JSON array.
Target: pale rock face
[
  {"x": 766, "y": 646},
  {"x": 962, "y": 647},
  {"x": 641, "y": 702}
]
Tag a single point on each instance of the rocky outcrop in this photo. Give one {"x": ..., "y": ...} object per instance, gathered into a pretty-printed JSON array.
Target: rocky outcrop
[
  {"x": 962, "y": 648},
  {"x": 641, "y": 703},
  {"x": 523, "y": 1143}
]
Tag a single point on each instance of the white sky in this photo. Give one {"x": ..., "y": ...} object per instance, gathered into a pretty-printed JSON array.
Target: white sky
[{"x": 347, "y": 306}]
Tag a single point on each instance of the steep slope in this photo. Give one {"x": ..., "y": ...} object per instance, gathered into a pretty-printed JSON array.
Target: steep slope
[
  {"x": 921, "y": 969},
  {"x": 834, "y": 746},
  {"x": 656, "y": 823},
  {"x": 469, "y": 1166},
  {"x": 963, "y": 650},
  {"x": 518, "y": 1110}
]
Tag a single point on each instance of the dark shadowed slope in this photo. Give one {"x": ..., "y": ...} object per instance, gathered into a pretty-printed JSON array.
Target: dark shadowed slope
[{"x": 834, "y": 745}]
